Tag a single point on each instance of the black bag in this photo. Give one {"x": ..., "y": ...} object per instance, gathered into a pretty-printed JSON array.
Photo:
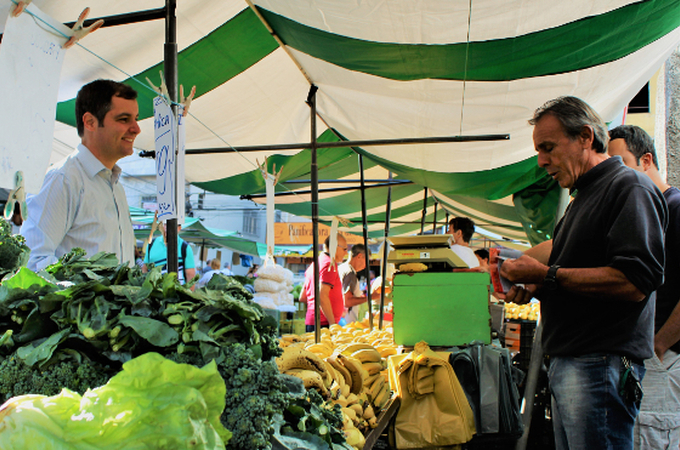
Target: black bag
[{"x": 490, "y": 383}]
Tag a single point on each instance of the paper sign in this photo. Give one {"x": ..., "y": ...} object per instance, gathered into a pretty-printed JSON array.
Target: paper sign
[
  {"x": 169, "y": 135},
  {"x": 30, "y": 66}
]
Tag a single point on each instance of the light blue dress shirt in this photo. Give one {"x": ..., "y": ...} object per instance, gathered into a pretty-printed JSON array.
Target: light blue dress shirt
[{"x": 81, "y": 204}]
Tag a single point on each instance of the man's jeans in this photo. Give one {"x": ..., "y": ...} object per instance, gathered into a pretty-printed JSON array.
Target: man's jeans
[{"x": 587, "y": 410}]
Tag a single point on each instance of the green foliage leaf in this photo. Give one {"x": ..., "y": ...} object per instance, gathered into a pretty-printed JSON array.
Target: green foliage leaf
[{"x": 156, "y": 332}]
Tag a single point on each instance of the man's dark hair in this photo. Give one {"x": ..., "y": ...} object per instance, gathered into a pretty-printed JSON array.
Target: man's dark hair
[
  {"x": 358, "y": 249},
  {"x": 95, "y": 98},
  {"x": 482, "y": 253},
  {"x": 573, "y": 113},
  {"x": 464, "y": 224},
  {"x": 637, "y": 140}
]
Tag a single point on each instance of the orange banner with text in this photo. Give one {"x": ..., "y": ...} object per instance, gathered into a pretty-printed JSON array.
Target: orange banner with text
[{"x": 300, "y": 233}]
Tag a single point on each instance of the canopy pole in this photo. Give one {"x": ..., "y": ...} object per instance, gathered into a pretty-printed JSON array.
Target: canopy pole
[
  {"x": 434, "y": 221},
  {"x": 364, "y": 220},
  {"x": 388, "y": 213},
  {"x": 170, "y": 61},
  {"x": 422, "y": 217},
  {"x": 311, "y": 101},
  {"x": 342, "y": 144}
]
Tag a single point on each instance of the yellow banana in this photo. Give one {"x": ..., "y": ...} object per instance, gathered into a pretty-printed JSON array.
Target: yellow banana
[
  {"x": 334, "y": 375},
  {"x": 310, "y": 379},
  {"x": 369, "y": 381},
  {"x": 358, "y": 373},
  {"x": 387, "y": 350},
  {"x": 299, "y": 358},
  {"x": 355, "y": 439},
  {"x": 368, "y": 412},
  {"x": 366, "y": 355},
  {"x": 373, "y": 367},
  {"x": 340, "y": 368},
  {"x": 322, "y": 349},
  {"x": 382, "y": 397},
  {"x": 352, "y": 347},
  {"x": 375, "y": 388}
]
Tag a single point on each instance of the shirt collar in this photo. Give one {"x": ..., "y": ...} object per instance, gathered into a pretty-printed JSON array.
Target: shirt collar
[
  {"x": 596, "y": 172},
  {"x": 93, "y": 166}
]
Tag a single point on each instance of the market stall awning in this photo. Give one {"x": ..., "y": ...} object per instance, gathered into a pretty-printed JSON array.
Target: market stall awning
[
  {"x": 195, "y": 232},
  {"x": 384, "y": 70}
]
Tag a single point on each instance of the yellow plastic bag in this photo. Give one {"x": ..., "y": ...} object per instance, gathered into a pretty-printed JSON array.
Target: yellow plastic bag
[{"x": 434, "y": 411}]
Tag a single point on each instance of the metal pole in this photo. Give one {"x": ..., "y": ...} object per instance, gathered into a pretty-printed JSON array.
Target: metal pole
[
  {"x": 364, "y": 220},
  {"x": 422, "y": 217},
  {"x": 170, "y": 61},
  {"x": 388, "y": 212},
  {"x": 311, "y": 101},
  {"x": 434, "y": 221},
  {"x": 359, "y": 143}
]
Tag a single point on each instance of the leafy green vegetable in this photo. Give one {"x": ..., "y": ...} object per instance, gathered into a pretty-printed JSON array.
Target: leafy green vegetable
[
  {"x": 153, "y": 403},
  {"x": 156, "y": 332},
  {"x": 74, "y": 372},
  {"x": 14, "y": 252}
]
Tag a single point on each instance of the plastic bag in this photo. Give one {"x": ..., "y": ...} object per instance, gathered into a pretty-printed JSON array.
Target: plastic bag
[{"x": 434, "y": 410}]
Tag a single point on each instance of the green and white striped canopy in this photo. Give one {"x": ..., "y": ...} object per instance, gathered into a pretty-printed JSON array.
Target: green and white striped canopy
[{"x": 384, "y": 69}]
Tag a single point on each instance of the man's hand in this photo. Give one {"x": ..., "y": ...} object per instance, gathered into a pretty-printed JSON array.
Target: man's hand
[
  {"x": 524, "y": 269},
  {"x": 521, "y": 295}
]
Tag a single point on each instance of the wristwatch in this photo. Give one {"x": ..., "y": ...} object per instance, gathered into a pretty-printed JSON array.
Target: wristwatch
[{"x": 550, "y": 280}]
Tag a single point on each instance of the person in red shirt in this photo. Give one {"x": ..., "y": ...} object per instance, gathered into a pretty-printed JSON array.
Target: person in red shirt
[{"x": 331, "y": 300}]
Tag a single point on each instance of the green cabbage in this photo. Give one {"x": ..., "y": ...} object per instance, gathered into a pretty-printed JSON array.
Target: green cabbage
[{"x": 153, "y": 403}]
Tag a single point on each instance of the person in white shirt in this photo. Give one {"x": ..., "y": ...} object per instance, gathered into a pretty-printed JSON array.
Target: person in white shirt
[
  {"x": 461, "y": 230},
  {"x": 81, "y": 203},
  {"x": 351, "y": 289}
]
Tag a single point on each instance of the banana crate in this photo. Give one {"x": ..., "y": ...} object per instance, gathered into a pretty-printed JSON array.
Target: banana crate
[{"x": 441, "y": 308}]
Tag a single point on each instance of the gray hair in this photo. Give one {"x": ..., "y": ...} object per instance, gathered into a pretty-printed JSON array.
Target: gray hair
[{"x": 573, "y": 113}]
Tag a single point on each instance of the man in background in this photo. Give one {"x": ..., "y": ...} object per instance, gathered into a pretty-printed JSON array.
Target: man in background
[
  {"x": 351, "y": 289},
  {"x": 658, "y": 424},
  {"x": 331, "y": 301},
  {"x": 81, "y": 202},
  {"x": 461, "y": 230}
]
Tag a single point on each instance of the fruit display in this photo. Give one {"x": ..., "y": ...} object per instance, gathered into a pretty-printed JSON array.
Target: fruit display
[
  {"x": 347, "y": 367},
  {"x": 530, "y": 311}
]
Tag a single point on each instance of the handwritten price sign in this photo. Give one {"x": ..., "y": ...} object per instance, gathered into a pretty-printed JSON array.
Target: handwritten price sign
[{"x": 169, "y": 143}]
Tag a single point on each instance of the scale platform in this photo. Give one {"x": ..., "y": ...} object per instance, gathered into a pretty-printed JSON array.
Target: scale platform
[{"x": 430, "y": 249}]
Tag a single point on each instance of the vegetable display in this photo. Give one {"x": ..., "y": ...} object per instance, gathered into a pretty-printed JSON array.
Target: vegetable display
[{"x": 76, "y": 323}]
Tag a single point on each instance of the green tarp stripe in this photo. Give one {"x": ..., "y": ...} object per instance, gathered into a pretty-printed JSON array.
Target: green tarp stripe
[
  {"x": 585, "y": 43},
  {"x": 484, "y": 206},
  {"x": 208, "y": 63},
  {"x": 493, "y": 184}
]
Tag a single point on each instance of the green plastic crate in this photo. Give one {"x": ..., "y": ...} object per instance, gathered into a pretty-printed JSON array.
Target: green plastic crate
[{"x": 442, "y": 309}]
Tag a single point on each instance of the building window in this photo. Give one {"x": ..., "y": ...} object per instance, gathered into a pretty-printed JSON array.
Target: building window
[
  {"x": 640, "y": 103},
  {"x": 250, "y": 222}
]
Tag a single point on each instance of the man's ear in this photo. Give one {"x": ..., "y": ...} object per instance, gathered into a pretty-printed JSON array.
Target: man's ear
[
  {"x": 90, "y": 122},
  {"x": 587, "y": 135},
  {"x": 646, "y": 161}
]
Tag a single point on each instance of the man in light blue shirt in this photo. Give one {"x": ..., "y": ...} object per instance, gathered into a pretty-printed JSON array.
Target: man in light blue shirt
[{"x": 81, "y": 203}]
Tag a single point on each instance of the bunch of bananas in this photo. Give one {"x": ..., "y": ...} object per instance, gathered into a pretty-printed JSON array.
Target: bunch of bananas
[
  {"x": 354, "y": 375},
  {"x": 306, "y": 366},
  {"x": 529, "y": 311}
]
